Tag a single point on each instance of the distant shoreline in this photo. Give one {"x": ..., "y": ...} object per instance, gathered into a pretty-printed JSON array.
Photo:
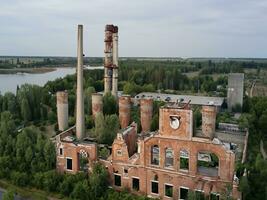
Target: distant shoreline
[{"x": 39, "y": 70}]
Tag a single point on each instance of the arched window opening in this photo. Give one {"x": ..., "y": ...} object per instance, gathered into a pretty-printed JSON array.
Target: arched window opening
[
  {"x": 155, "y": 155},
  {"x": 207, "y": 163},
  {"x": 168, "y": 157},
  {"x": 184, "y": 159}
]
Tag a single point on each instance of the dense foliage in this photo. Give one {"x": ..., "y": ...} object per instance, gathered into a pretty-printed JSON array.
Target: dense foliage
[{"x": 254, "y": 186}]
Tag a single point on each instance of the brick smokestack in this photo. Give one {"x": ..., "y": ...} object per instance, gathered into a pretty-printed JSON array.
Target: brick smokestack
[
  {"x": 80, "y": 128},
  {"x": 146, "y": 109},
  {"x": 124, "y": 110},
  {"x": 208, "y": 121},
  {"x": 97, "y": 104},
  {"x": 108, "y": 59},
  {"x": 62, "y": 110},
  {"x": 115, "y": 62}
]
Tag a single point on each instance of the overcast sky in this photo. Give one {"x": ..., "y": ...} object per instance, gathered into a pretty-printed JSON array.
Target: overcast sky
[{"x": 156, "y": 28}]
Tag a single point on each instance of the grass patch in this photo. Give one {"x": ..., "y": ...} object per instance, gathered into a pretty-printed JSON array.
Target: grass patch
[{"x": 31, "y": 193}]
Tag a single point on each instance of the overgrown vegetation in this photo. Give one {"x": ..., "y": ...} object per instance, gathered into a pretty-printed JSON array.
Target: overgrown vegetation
[{"x": 27, "y": 157}]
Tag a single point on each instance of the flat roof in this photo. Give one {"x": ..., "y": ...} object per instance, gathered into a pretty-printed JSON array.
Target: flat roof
[{"x": 195, "y": 100}]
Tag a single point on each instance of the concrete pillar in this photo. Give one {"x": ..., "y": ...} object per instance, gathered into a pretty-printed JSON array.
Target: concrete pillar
[
  {"x": 208, "y": 121},
  {"x": 97, "y": 104},
  {"x": 62, "y": 110},
  {"x": 108, "y": 59},
  {"x": 80, "y": 127},
  {"x": 124, "y": 110},
  {"x": 115, "y": 62},
  {"x": 146, "y": 109}
]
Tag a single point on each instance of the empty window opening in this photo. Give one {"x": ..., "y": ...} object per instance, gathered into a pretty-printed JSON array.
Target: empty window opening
[
  {"x": 169, "y": 157},
  {"x": 60, "y": 151},
  {"x": 168, "y": 190},
  {"x": 214, "y": 196},
  {"x": 199, "y": 195},
  {"x": 69, "y": 163},
  {"x": 117, "y": 180},
  {"x": 83, "y": 162},
  {"x": 207, "y": 164},
  {"x": 154, "y": 187},
  {"x": 183, "y": 193},
  {"x": 184, "y": 160},
  {"x": 135, "y": 184},
  {"x": 155, "y": 155}
]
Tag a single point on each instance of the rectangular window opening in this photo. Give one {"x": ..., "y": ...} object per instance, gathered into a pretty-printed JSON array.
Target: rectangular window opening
[
  {"x": 183, "y": 193},
  {"x": 69, "y": 163},
  {"x": 135, "y": 184},
  {"x": 168, "y": 190},
  {"x": 117, "y": 180},
  {"x": 200, "y": 195},
  {"x": 184, "y": 164},
  {"x": 154, "y": 187},
  {"x": 60, "y": 151}
]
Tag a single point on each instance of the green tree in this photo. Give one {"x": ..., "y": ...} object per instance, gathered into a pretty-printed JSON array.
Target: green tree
[
  {"x": 244, "y": 186},
  {"x": 98, "y": 181},
  {"x": 88, "y": 100},
  {"x": 109, "y": 104},
  {"x": 155, "y": 123},
  {"x": 49, "y": 154},
  {"x": 9, "y": 194},
  {"x": 80, "y": 191},
  {"x": 25, "y": 110},
  {"x": 111, "y": 128},
  {"x": 99, "y": 125}
]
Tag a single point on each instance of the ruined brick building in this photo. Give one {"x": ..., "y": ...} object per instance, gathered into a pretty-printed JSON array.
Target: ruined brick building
[{"x": 168, "y": 163}]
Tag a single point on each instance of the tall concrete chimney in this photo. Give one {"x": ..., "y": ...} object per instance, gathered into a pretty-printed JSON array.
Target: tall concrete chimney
[
  {"x": 208, "y": 121},
  {"x": 124, "y": 110},
  {"x": 108, "y": 59},
  {"x": 62, "y": 110},
  {"x": 97, "y": 104},
  {"x": 146, "y": 109},
  {"x": 80, "y": 128},
  {"x": 115, "y": 62}
]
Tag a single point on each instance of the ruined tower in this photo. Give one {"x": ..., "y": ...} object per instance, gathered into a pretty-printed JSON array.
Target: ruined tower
[
  {"x": 111, "y": 60},
  {"x": 80, "y": 128},
  {"x": 146, "y": 110},
  {"x": 97, "y": 104},
  {"x": 208, "y": 121},
  {"x": 115, "y": 62},
  {"x": 62, "y": 110},
  {"x": 124, "y": 110}
]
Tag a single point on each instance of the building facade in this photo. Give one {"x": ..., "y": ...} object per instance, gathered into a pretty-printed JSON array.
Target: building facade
[
  {"x": 170, "y": 163},
  {"x": 235, "y": 90}
]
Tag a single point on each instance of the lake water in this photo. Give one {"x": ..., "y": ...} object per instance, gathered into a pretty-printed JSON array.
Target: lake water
[{"x": 9, "y": 82}]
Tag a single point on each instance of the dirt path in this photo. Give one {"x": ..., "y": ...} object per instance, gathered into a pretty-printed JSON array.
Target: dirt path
[{"x": 252, "y": 88}]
